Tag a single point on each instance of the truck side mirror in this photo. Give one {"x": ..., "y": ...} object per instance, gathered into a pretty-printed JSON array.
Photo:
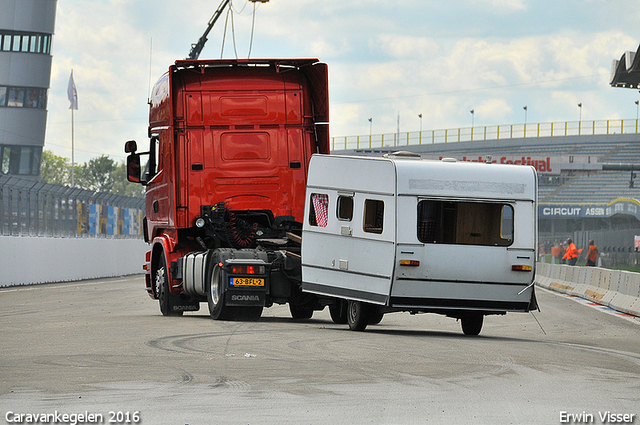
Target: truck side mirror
[
  {"x": 133, "y": 167},
  {"x": 131, "y": 146}
]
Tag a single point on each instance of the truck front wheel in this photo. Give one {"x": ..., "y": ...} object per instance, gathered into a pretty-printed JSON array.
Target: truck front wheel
[
  {"x": 165, "y": 298},
  {"x": 215, "y": 294}
]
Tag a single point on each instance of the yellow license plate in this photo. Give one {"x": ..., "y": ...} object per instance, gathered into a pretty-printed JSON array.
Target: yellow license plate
[{"x": 247, "y": 281}]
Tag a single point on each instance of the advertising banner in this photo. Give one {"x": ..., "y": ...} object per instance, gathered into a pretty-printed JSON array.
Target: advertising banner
[{"x": 596, "y": 210}]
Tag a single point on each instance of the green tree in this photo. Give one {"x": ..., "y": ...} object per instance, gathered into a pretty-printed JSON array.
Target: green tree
[
  {"x": 55, "y": 169},
  {"x": 122, "y": 186},
  {"x": 100, "y": 174},
  {"x": 97, "y": 174}
]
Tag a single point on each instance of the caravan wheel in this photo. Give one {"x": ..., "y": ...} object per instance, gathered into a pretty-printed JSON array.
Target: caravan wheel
[{"x": 358, "y": 315}]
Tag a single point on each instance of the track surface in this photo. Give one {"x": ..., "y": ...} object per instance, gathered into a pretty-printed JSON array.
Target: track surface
[{"x": 102, "y": 346}]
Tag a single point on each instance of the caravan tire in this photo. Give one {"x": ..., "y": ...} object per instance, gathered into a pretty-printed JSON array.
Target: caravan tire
[{"x": 358, "y": 314}]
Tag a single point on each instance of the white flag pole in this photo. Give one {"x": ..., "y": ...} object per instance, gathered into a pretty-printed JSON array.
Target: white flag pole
[
  {"x": 72, "y": 94},
  {"x": 73, "y": 166}
]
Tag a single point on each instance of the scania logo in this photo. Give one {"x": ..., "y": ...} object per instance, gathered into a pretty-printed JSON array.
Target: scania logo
[
  {"x": 245, "y": 298},
  {"x": 194, "y": 307}
]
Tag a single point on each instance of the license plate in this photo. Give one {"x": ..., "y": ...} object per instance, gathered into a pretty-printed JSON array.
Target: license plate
[{"x": 247, "y": 281}]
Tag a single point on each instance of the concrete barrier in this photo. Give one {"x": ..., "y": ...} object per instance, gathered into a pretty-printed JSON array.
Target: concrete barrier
[
  {"x": 30, "y": 260},
  {"x": 617, "y": 289}
]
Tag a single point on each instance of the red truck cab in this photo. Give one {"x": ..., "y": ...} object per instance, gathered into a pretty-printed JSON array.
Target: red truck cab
[{"x": 230, "y": 143}]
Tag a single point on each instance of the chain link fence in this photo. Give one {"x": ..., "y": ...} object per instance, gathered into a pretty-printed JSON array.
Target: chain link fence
[{"x": 35, "y": 208}]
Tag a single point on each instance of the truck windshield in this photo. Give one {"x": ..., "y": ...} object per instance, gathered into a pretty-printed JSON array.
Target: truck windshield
[{"x": 465, "y": 223}]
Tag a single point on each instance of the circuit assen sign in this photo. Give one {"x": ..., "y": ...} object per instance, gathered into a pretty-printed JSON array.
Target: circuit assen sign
[{"x": 619, "y": 206}]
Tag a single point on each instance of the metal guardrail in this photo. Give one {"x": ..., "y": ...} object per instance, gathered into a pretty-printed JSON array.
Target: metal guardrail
[
  {"x": 35, "y": 208},
  {"x": 490, "y": 132}
]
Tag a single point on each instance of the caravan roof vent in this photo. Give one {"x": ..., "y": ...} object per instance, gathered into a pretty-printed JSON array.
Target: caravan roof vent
[{"x": 402, "y": 154}]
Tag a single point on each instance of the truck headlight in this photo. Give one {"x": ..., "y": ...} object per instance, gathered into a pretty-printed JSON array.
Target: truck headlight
[{"x": 200, "y": 222}]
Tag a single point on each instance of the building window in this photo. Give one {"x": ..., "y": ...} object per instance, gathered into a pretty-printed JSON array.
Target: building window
[
  {"x": 20, "y": 160},
  {"x": 25, "y": 42},
  {"x": 465, "y": 223},
  {"x": 23, "y": 97}
]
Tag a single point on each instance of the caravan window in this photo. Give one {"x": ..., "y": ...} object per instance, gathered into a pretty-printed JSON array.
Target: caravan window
[
  {"x": 373, "y": 216},
  {"x": 318, "y": 209},
  {"x": 465, "y": 223},
  {"x": 345, "y": 208}
]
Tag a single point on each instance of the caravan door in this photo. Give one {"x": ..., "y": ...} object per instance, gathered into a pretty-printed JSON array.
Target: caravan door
[{"x": 348, "y": 248}]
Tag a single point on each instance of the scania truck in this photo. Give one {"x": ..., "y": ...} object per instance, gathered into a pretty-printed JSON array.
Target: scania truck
[{"x": 226, "y": 169}]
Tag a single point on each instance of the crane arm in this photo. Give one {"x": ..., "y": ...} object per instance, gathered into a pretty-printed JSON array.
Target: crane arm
[{"x": 197, "y": 48}]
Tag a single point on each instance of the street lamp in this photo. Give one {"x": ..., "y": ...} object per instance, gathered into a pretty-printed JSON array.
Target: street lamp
[
  {"x": 580, "y": 106},
  {"x": 580, "y": 122},
  {"x": 525, "y": 120}
]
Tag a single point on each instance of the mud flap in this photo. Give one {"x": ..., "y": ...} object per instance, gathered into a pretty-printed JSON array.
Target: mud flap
[
  {"x": 533, "y": 303},
  {"x": 182, "y": 305},
  {"x": 245, "y": 299}
]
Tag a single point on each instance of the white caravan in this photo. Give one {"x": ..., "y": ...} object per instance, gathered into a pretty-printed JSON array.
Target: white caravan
[{"x": 404, "y": 234}]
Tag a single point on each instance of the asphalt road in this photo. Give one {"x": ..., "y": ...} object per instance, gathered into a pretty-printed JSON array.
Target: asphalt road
[{"x": 101, "y": 347}]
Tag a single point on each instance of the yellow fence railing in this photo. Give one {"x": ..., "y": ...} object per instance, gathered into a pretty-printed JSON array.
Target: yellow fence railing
[{"x": 489, "y": 132}]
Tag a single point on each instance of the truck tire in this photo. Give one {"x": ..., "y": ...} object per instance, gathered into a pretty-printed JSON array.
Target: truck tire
[
  {"x": 338, "y": 312},
  {"x": 358, "y": 314},
  {"x": 301, "y": 312},
  {"x": 472, "y": 324},
  {"x": 165, "y": 298},
  {"x": 215, "y": 293},
  {"x": 375, "y": 317}
]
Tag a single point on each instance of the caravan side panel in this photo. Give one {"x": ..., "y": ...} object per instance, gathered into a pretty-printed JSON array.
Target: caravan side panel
[
  {"x": 471, "y": 227},
  {"x": 348, "y": 248}
]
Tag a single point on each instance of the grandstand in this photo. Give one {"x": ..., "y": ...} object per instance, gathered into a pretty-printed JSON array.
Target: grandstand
[{"x": 575, "y": 195}]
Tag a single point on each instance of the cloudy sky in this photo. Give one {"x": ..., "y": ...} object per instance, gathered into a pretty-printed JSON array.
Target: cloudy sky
[{"x": 439, "y": 58}]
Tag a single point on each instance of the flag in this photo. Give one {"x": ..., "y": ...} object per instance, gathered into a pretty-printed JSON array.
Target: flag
[{"x": 72, "y": 94}]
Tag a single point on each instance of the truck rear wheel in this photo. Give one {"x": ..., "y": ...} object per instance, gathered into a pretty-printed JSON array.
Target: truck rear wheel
[
  {"x": 215, "y": 294},
  {"x": 338, "y": 312},
  {"x": 165, "y": 298},
  {"x": 472, "y": 324},
  {"x": 375, "y": 317},
  {"x": 301, "y": 311},
  {"x": 358, "y": 315}
]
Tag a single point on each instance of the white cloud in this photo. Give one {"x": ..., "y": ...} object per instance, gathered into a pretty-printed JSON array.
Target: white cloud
[
  {"x": 439, "y": 59},
  {"x": 404, "y": 47}
]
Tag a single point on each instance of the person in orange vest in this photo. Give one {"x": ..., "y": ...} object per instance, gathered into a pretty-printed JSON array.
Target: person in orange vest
[
  {"x": 572, "y": 253},
  {"x": 557, "y": 252},
  {"x": 592, "y": 253}
]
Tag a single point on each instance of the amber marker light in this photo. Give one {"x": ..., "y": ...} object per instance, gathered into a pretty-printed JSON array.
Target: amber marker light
[
  {"x": 413, "y": 263},
  {"x": 517, "y": 268}
]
